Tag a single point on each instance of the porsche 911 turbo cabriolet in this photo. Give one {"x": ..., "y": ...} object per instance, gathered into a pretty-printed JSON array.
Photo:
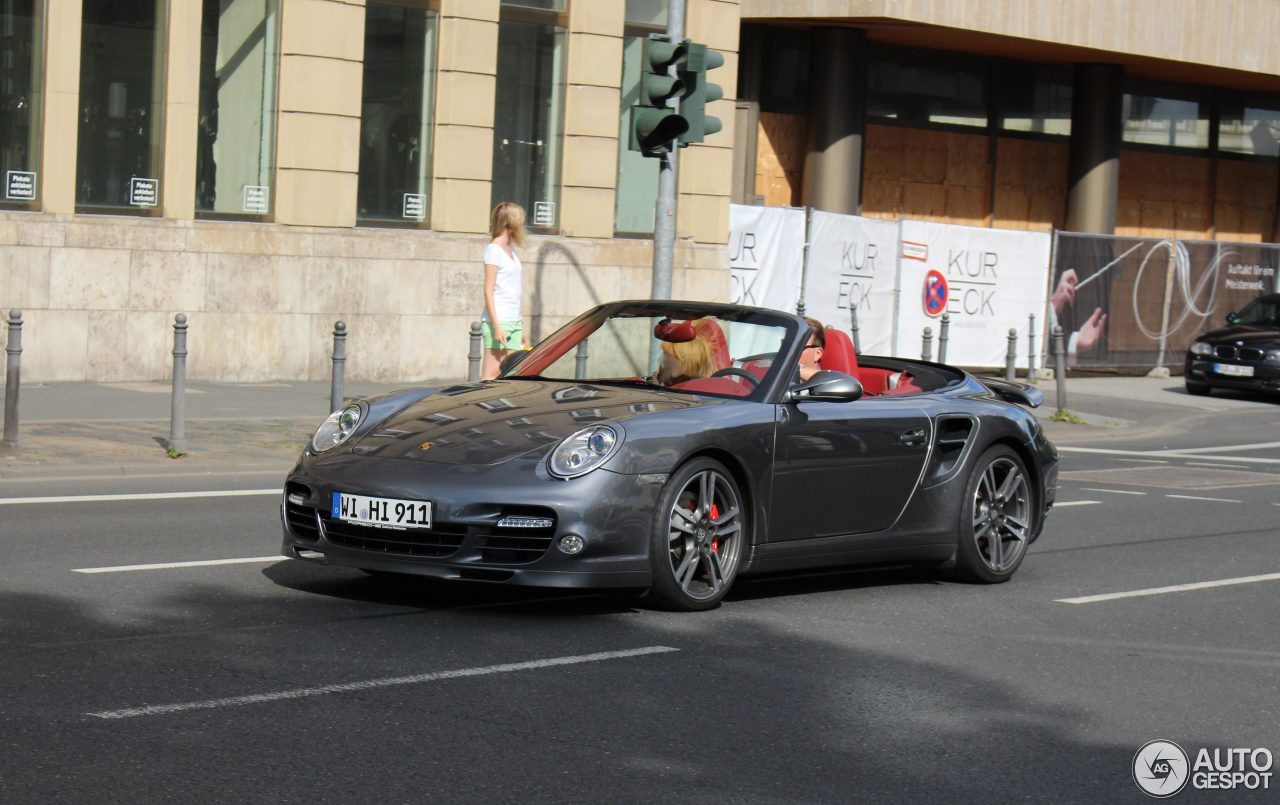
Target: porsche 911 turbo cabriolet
[{"x": 673, "y": 447}]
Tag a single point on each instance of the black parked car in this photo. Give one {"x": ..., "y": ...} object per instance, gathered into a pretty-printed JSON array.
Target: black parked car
[
  {"x": 671, "y": 446},
  {"x": 1244, "y": 355}
]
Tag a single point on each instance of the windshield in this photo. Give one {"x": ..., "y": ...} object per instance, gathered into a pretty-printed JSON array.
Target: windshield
[
  {"x": 720, "y": 352},
  {"x": 1260, "y": 313}
]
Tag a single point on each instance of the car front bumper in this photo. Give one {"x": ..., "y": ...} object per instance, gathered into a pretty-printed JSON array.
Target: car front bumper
[
  {"x": 612, "y": 513},
  {"x": 1266, "y": 374}
]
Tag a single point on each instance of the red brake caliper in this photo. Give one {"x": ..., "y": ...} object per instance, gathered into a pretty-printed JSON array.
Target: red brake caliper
[{"x": 715, "y": 541}]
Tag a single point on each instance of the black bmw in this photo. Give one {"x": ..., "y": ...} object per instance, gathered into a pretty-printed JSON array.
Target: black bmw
[
  {"x": 1244, "y": 355},
  {"x": 596, "y": 462}
]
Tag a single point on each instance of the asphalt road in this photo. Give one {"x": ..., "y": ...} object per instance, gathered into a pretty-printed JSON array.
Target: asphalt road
[{"x": 273, "y": 681}]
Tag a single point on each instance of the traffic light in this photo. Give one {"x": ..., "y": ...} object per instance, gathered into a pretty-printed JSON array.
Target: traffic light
[
  {"x": 698, "y": 92},
  {"x": 654, "y": 125}
]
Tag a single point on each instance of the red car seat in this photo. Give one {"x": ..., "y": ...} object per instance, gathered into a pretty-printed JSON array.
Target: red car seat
[{"x": 839, "y": 355}]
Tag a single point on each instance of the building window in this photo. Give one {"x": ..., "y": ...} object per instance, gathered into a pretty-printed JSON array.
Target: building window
[
  {"x": 395, "y": 113},
  {"x": 21, "y": 39},
  {"x": 1167, "y": 119},
  {"x": 784, "y": 70},
  {"x": 922, "y": 87},
  {"x": 637, "y": 174},
  {"x": 1253, "y": 130},
  {"x": 527, "y": 120},
  {"x": 235, "y": 145},
  {"x": 121, "y": 93},
  {"x": 1034, "y": 98}
]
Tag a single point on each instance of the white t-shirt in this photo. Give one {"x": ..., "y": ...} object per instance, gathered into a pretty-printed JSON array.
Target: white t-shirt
[{"x": 507, "y": 290}]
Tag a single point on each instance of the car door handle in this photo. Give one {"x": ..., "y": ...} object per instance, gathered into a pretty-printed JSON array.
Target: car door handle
[{"x": 912, "y": 438}]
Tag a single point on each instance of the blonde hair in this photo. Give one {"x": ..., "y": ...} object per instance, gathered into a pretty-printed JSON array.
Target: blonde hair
[
  {"x": 696, "y": 358},
  {"x": 508, "y": 217}
]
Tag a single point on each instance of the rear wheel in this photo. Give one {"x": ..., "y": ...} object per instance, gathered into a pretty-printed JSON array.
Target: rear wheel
[
  {"x": 997, "y": 517},
  {"x": 699, "y": 537}
]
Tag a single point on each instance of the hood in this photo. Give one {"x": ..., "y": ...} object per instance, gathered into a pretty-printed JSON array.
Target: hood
[
  {"x": 496, "y": 421},
  {"x": 1249, "y": 334}
]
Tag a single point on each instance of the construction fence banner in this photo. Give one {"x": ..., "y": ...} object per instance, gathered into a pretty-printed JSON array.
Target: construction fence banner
[
  {"x": 987, "y": 281},
  {"x": 852, "y": 263},
  {"x": 766, "y": 256},
  {"x": 1128, "y": 302}
]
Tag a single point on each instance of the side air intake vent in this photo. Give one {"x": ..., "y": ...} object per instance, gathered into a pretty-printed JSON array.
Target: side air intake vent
[{"x": 952, "y": 434}]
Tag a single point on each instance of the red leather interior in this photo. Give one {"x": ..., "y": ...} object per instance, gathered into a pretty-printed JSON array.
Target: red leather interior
[
  {"x": 838, "y": 355},
  {"x": 716, "y": 385},
  {"x": 711, "y": 331}
]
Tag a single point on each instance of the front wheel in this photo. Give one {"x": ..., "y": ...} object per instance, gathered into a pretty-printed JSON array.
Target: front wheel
[
  {"x": 1198, "y": 389},
  {"x": 997, "y": 517},
  {"x": 699, "y": 536}
]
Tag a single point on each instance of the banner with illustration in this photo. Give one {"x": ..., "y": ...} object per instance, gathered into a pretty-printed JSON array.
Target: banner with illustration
[
  {"x": 1140, "y": 302},
  {"x": 853, "y": 263},
  {"x": 989, "y": 281}
]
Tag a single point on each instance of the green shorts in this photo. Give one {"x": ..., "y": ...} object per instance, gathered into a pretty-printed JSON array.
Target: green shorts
[{"x": 513, "y": 330}]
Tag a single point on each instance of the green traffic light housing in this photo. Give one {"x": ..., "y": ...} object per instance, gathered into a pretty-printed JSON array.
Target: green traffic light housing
[
  {"x": 698, "y": 92},
  {"x": 654, "y": 124}
]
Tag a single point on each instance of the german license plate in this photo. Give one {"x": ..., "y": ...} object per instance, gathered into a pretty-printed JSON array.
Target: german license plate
[
  {"x": 381, "y": 512},
  {"x": 1233, "y": 370}
]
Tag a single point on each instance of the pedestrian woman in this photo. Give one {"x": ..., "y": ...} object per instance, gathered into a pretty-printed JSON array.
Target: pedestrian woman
[{"x": 501, "y": 326}]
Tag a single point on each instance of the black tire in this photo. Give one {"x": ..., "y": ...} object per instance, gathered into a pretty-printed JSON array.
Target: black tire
[
  {"x": 694, "y": 556},
  {"x": 996, "y": 518},
  {"x": 1198, "y": 389}
]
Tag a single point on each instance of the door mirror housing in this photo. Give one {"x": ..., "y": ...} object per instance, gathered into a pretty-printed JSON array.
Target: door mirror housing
[
  {"x": 827, "y": 386},
  {"x": 1233, "y": 318}
]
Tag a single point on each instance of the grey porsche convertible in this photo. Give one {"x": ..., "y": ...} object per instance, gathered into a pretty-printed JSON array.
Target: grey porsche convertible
[{"x": 673, "y": 447}]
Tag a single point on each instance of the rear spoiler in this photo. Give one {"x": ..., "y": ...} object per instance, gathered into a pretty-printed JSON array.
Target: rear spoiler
[{"x": 1018, "y": 393}]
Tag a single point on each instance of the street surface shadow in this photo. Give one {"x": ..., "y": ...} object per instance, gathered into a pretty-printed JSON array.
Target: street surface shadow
[{"x": 747, "y": 708}]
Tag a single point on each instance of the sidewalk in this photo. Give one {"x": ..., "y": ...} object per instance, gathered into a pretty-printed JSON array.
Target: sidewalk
[{"x": 103, "y": 429}]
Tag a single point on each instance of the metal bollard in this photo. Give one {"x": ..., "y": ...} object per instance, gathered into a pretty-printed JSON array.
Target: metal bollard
[
  {"x": 1060, "y": 370},
  {"x": 1011, "y": 357},
  {"x": 339, "y": 365},
  {"x": 473, "y": 356},
  {"x": 853, "y": 316},
  {"x": 926, "y": 352},
  {"x": 1031, "y": 349},
  {"x": 943, "y": 337},
  {"x": 177, "y": 436},
  {"x": 12, "y": 379},
  {"x": 580, "y": 361}
]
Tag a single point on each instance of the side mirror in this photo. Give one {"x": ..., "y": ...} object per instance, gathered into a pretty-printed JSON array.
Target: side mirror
[
  {"x": 1233, "y": 318},
  {"x": 509, "y": 362},
  {"x": 827, "y": 386}
]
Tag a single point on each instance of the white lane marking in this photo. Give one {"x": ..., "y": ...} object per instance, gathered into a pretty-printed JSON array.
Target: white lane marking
[
  {"x": 299, "y": 693},
  {"x": 1177, "y": 588},
  {"x": 1112, "y": 491},
  {"x": 221, "y": 493},
  {"x": 1140, "y": 460},
  {"x": 1076, "y": 503},
  {"x": 1216, "y": 466},
  {"x": 1103, "y": 451},
  {"x": 169, "y": 565},
  {"x": 1196, "y": 497},
  {"x": 1229, "y": 447}
]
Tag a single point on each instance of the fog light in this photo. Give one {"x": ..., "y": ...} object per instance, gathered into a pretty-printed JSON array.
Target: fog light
[{"x": 572, "y": 543}]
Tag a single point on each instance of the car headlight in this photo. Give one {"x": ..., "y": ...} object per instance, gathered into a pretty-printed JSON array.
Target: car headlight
[
  {"x": 584, "y": 451},
  {"x": 337, "y": 428},
  {"x": 1273, "y": 354},
  {"x": 1201, "y": 348}
]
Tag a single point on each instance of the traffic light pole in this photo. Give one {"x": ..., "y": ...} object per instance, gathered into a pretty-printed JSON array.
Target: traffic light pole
[{"x": 664, "y": 224}]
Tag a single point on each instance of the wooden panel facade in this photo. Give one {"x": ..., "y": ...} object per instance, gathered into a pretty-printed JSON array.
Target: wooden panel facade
[{"x": 780, "y": 158}]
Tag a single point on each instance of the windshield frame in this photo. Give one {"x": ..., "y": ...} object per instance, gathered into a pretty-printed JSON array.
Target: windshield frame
[{"x": 559, "y": 343}]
